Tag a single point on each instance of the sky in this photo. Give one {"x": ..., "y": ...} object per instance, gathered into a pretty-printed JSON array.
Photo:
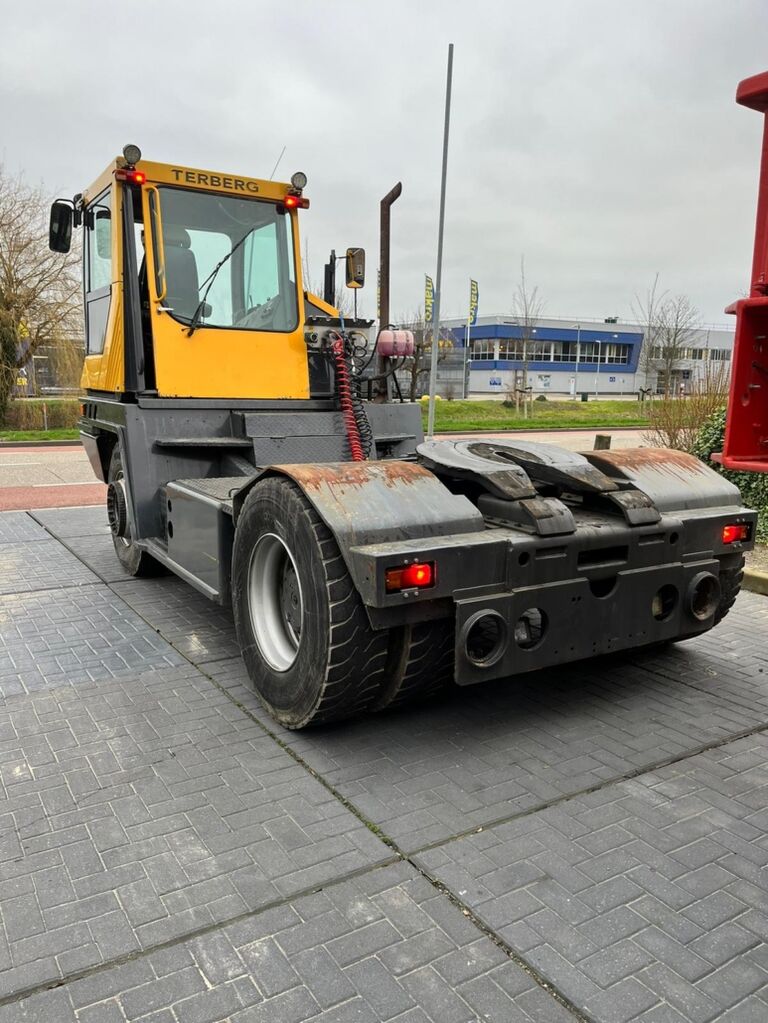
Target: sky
[{"x": 597, "y": 139}]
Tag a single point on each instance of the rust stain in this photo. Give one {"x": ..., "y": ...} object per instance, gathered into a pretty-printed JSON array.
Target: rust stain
[
  {"x": 655, "y": 458},
  {"x": 355, "y": 473}
]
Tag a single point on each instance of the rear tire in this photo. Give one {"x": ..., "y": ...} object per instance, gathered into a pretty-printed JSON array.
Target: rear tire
[
  {"x": 730, "y": 585},
  {"x": 134, "y": 560},
  {"x": 421, "y": 663},
  {"x": 310, "y": 652}
]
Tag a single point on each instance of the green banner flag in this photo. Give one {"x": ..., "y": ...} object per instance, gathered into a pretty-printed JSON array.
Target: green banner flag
[
  {"x": 474, "y": 297},
  {"x": 429, "y": 298}
]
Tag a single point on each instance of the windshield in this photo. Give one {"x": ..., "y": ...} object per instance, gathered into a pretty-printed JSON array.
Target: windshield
[{"x": 255, "y": 287}]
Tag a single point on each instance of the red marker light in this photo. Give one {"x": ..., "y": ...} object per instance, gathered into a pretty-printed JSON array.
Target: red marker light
[
  {"x": 732, "y": 534},
  {"x": 133, "y": 177},
  {"x": 419, "y": 576},
  {"x": 294, "y": 202}
]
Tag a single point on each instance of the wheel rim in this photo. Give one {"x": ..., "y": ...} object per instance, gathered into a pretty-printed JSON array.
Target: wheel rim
[
  {"x": 275, "y": 601},
  {"x": 123, "y": 541}
]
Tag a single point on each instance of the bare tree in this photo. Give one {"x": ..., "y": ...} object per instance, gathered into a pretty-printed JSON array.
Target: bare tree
[
  {"x": 40, "y": 301},
  {"x": 527, "y": 307},
  {"x": 646, "y": 310},
  {"x": 673, "y": 423},
  {"x": 417, "y": 366},
  {"x": 675, "y": 328},
  {"x": 670, "y": 324}
]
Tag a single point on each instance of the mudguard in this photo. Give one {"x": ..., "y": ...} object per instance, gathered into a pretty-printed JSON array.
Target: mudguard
[
  {"x": 674, "y": 480},
  {"x": 376, "y": 502}
]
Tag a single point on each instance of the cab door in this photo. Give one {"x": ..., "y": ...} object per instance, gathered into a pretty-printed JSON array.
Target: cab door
[{"x": 226, "y": 310}]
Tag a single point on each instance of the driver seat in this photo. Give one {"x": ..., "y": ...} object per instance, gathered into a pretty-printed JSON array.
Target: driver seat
[{"x": 183, "y": 291}]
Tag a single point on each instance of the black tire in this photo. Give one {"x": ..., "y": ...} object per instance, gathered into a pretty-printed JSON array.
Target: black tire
[
  {"x": 135, "y": 561},
  {"x": 420, "y": 665},
  {"x": 730, "y": 584},
  {"x": 320, "y": 661}
]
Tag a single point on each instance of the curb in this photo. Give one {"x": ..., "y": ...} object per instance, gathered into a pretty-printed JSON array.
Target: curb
[
  {"x": 755, "y": 582},
  {"x": 73, "y": 443}
]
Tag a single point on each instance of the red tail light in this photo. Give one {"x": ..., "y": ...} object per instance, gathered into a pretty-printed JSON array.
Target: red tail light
[
  {"x": 419, "y": 576},
  {"x": 293, "y": 202},
  {"x": 735, "y": 533}
]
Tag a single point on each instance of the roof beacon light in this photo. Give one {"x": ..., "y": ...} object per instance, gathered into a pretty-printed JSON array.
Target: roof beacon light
[
  {"x": 299, "y": 180},
  {"x": 132, "y": 154}
]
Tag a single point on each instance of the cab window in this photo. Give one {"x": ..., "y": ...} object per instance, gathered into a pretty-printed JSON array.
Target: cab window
[{"x": 98, "y": 270}]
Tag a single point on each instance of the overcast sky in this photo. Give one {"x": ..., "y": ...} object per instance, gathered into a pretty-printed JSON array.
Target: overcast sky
[{"x": 598, "y": 138}]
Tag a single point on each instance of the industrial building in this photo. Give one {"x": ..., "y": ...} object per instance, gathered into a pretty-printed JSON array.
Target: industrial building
[{"x": 568, "y": 356}]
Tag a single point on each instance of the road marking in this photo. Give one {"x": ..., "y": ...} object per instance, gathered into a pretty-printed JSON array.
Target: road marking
[
  {"x": 82, "y": 483},
  {"x": 16, "y": 465}
]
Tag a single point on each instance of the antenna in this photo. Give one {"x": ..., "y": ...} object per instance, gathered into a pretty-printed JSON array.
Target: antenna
[{"x": 282, "y": 151}]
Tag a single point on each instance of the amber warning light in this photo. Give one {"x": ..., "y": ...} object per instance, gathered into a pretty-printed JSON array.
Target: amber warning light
[
  {"x": 419, "y": 576},
  {"x": 732, "y": 534}
]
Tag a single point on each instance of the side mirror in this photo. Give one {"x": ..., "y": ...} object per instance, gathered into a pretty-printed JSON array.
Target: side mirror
[
  {"x": 60, "y": 227},
  {"x": 355, "y": 268},
  {"x": 103, "y": 230}
]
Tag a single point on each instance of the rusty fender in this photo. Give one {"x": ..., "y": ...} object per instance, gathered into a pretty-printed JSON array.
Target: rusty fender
[
  {"x": 376, "y": 502},
  {"x": 674, "y": 480}
]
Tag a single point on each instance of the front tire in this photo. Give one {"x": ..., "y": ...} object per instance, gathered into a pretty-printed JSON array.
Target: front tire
[
  {"x": 310, "y": 652},
  {"x": 134, "y": 560}
]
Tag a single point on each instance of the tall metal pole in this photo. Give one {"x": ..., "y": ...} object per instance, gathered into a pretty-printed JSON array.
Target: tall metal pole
[
  {"x": 438, "y": 278},
  {"x": 578, "y": 356},
  {"x": 466, "y": 355}
]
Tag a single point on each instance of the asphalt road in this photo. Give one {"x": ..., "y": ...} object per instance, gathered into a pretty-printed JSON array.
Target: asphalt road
[{"x": 56, "y": 477}]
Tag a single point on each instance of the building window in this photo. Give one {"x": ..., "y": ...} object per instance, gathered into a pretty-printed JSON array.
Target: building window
[
  {"x": 564, "y": 351},
  {"x": 720, "y": 354},
  {"x": 616, "y": 353},
  {"x": 536, "y": 351},
  {"x": 483, "y": 349}
]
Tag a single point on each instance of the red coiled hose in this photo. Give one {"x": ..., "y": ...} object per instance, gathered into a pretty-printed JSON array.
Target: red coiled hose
[{"x": 344, "y": 388}]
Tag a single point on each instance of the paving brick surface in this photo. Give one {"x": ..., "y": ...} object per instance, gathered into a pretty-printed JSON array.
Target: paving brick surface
[
  {"x": 382, "y": 947},
  {"x": 98, "y": 552},
  {"x": 730, "y": 662},
  {"x": 18, "y": 526},
  {"x": 66, "y": 522},
  {"x": 164, "y": 859},
  {"x": 73, "y": 636},
  {"x": 40, "y": 565},
  {"x": 139, "y": 810},
  {"x": 424, "y": 774},
  {"x": 643, "y": 901},
  {"x": 200, "y": 629}
]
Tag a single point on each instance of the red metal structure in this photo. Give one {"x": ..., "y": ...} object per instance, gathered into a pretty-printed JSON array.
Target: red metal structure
[{"x": 746, "y": 432}]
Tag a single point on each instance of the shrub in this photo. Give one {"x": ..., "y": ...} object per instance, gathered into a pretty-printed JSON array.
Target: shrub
[
  {"x": 53, "y": 414},
  {"x": 753, "y": 485},
  {"x": 675, "y": 422}
]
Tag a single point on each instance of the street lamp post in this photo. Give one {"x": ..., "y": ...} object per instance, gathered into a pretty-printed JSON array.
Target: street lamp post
[{"x": 578, "y": 357}]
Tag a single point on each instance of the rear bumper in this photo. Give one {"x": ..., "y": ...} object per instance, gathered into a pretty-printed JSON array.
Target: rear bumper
[
  {"x": 604, "y": 588},
  {"x": 580, "y": 619}
]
